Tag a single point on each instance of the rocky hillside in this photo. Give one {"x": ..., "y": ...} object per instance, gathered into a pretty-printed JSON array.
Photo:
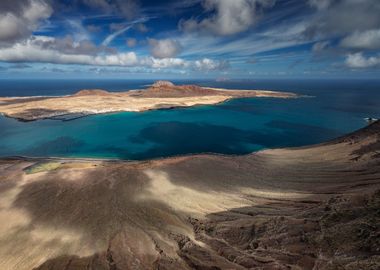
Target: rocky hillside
[{"x": 305, "y": 208}]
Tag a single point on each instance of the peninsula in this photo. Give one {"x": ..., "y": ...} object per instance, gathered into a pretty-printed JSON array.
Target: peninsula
[
  {"x": 313, "y": 207},
  {"x": 160, "y": 95}
]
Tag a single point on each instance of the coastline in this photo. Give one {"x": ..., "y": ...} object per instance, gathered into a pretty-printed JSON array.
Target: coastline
[
  {"x": 162, "y": 95},
  {"x": 85, "y": 114},
  {"x": 109, "y": 159},
  {"x": 272, "y": 208}
]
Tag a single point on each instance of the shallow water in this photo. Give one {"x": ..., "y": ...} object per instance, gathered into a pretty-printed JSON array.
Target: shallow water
[{"x": 235, "y": 127}]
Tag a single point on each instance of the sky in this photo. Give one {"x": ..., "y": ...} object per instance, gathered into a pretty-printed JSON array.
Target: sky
[{"x": 190, "y": 39}]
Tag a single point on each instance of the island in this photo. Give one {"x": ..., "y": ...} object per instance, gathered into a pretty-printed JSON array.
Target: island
[
  {"x": 314, "y": 207},
  {"x": 160, "y": 95}
]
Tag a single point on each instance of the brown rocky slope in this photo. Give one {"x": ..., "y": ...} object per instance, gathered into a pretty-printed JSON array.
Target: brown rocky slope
[{"x": 303, "y": 208}]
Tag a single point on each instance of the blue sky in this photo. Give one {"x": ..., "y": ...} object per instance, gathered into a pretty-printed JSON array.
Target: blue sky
[{"x": 190, "y": 39}]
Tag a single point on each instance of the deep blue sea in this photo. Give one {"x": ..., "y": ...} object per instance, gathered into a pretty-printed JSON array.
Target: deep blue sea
[{"x": 236, "y": 127}]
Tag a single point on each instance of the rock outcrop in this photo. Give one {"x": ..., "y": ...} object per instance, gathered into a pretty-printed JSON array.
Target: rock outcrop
[
  {"x": 92, "y": 92},
  {"x": 162, "y": 84}
]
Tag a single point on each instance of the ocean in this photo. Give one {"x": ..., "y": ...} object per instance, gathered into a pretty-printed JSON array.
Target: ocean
[{"x": 240, "y": 126}]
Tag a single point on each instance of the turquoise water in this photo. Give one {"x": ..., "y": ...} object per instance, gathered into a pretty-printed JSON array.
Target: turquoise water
[{"x": 235, "y": 127}]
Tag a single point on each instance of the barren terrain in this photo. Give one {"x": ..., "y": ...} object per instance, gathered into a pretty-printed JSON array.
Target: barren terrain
[
  {"x": 314, "y": 207},
  {"x": 160, "y": 95}
]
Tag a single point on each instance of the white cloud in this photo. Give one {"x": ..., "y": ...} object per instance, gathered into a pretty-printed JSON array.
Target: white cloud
[
  {"x": 35, "y": 50},
  {"x": 344, "y": 17},
  {"x": 369, "y": 39},
  {"x": 164, "y": 48},
  {"x": 44, "y": 49},
  {"x": 357, "y": 60},
  {"x": 209, "y": 64},
  {"x": 204, "y": 64},
  {"x": 11, "y": 28},
  {"x": 164, "y": 63},
  {"x": 230, "y": 17},
  {"x": 18, "y": 23}
]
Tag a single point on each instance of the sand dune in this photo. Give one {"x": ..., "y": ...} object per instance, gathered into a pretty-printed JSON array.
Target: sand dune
[{"x": 303, "y": 208}]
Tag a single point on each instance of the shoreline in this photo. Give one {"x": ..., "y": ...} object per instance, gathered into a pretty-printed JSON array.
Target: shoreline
[
  {"x": 308, "y": 207},
  {"x": 84, "y": 159},
  {"x": 161, "y": 95},
  {"x": 190, "y": 155},
  {"x": 85, "y": 114}
]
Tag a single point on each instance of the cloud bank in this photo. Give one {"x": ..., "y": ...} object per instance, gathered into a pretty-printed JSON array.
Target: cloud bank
[
  {"x": 369, "y": 40},
  {"x": 198, "y": 36},
  {"x": 42, "y": 49},
  {"x": 19, "y": 18},
  {"x": 228, "y": 17},
  {"x": 358, "y": 61}
]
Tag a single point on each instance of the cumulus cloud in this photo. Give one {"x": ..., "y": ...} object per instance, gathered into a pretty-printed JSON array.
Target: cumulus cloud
[
  {"x": 164, "y": 48},
  {"x": 164, "y": 63},
  {"x": 207, "y": 64},
  {"x": 355, "y": 23},
  {"x": 369, "y": 39},
  {"x": 44, "y": 49},
  {"x": 357, "y": 60},
  {"x": 19, "y": 18},
  {"x": 13, "y": 6},
  {"x": 228, "y": 17},
  {"x": 344, "y": 17},
  {"x": 204, "y": 64}
]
